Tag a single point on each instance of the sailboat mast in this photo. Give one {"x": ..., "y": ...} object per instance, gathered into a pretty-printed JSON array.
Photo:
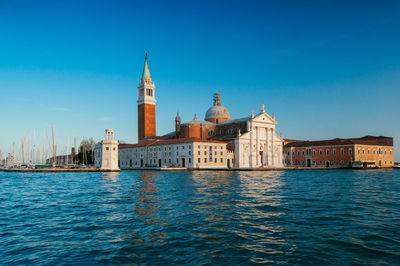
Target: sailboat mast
[
  {"x": 54, "y": 152},
  {"x": 74, "y": 150},
  {"x": 23, "y": 151},
  {"x": 43, "y": 148}
]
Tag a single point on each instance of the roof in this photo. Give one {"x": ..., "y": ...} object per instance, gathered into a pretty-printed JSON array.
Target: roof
[
  {"x": 146, "y": 71},
  {"x": 235, "y": 121},
  {"x": 367, "y": 140},
  {"x": 198, "y": 122},
  {"x": 217, "y": 112},
  {"x": 158, "y": 142}
]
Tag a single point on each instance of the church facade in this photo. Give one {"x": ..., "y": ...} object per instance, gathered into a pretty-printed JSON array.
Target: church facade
[{"x": 215, "y": 142}]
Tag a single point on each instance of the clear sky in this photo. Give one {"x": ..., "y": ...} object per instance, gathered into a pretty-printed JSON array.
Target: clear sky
[{"x": 327, "y": 69}]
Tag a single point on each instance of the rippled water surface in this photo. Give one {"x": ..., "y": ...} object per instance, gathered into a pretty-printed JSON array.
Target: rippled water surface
[{"x": 144, "y": 217}]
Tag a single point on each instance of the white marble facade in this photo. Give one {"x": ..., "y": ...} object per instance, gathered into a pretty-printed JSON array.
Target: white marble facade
[{"x": 260, "y": 146}]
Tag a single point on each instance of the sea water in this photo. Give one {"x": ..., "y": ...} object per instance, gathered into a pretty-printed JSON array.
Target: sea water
[{"x": 202, "y": 217}]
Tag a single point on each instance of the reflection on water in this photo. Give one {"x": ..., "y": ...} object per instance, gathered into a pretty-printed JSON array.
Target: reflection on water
[
  {"x": 146, "y": 225},
  {"x": 201, "y": 217}
]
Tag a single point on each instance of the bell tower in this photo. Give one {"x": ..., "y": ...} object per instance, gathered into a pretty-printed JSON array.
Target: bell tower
[{"x": 146, "y": 105}]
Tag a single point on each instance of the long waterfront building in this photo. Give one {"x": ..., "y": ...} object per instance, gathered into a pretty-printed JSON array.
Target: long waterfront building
[{"x": 368, "y": 151}]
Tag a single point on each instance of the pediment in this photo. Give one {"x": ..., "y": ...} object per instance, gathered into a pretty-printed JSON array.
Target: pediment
[{"x": 264, "y": 118}]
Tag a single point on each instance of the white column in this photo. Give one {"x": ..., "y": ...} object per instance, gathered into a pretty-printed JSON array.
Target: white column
[
  {"x": 267, "y": 158},
  {"x": 272, "y": 147},
  {"x": 251, "y": 146},
  {"x": 257, "y": 147}
]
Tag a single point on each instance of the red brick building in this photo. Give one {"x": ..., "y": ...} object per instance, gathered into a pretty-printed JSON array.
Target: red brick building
[{"x": 368, "y": 151}]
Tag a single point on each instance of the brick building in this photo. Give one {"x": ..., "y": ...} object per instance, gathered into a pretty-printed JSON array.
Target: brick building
[{"x": 368, "y": 151}]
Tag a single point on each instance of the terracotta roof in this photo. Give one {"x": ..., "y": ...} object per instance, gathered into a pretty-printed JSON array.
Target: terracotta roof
[
  {"x": 157, "y": 142},
  {"x": 367, "y": 140}
]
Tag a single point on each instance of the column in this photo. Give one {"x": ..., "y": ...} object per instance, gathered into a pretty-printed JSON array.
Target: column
[
  {"x": 267, "y": 157},
  {"x": 250, "y": 156},
  {"x": 257, "y": 147},
  {"x": 272, "y": 147}
]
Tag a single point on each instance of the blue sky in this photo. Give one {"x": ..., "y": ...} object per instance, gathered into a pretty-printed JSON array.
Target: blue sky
[{"x": 326, "y": 68}]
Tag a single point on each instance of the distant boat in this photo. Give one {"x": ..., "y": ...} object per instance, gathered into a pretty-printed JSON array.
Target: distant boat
[
  {"x": 396, "y": 165},
  {"x": 357, "y": 164}
]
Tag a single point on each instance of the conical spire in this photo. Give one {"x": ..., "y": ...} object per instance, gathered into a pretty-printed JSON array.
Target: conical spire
[
  {"x": 177, "y": 118},
  {"x": 146, "y": 71}
]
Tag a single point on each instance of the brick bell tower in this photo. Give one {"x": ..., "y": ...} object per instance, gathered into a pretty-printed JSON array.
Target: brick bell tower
[{"x": 146, "y": 105}]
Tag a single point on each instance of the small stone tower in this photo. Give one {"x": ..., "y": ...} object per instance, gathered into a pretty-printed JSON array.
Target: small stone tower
[
  {"x": 109, "y": 152},
  {"x": 146, "y": 105},
  {"x": 177, "y": 122}
]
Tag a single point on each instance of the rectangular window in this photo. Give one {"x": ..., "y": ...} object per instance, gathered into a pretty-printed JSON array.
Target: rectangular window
[
  {"x": 222, "y": 160},
  {"x": 205, "y": 160},
  {"x": 342, "y": 151},
  {"x": 198, "y": 160},
  {"x": 314, "y": 152},
  {"x": 190, "y": 160}
]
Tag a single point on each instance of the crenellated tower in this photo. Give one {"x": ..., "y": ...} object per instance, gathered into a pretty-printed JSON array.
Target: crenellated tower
[{"x": 146, "y": 105}]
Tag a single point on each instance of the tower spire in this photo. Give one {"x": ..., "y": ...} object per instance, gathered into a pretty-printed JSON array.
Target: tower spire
[
  {"x": 146, "y": 105},
  {"x": 146, "y": 71}
]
